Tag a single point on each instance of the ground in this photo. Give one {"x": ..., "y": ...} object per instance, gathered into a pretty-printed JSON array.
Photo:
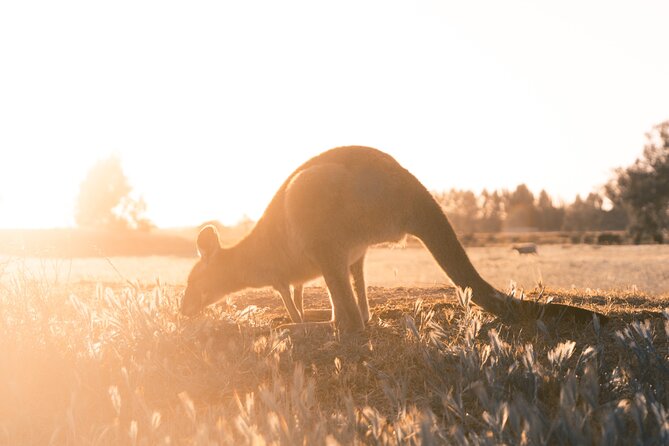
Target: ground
[
  {"x": 91, "y": 358},
  {"x": 623, "y": 268}
]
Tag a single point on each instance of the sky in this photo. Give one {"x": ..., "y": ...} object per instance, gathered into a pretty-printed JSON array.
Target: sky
[{"x": 210, "y": 105}]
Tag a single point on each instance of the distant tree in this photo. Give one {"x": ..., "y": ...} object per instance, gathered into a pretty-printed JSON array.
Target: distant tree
[
  {"x": 462, "y": 209},
  {"x": 104, "y": 199},
  {"x": 574, "y": 216},
  {"x": 643, "y": 187},
  {"x": 594, "y": 211},
  {"x": 584, "y": 215},
  {"x": 469, "y": 211},
  {"x": 521, "y": 212},
  {"x": 131, "y": 212},
  {"x": 549, "y": 217},
  {"x": 492, "y": 212},
  {"x": 502, "y": 210},
  {"x": 615, "y": 218}
]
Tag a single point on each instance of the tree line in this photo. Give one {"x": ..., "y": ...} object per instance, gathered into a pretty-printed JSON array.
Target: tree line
[
  {"x": 519, "y": 210},
  {"x": 636, "y": 199}
]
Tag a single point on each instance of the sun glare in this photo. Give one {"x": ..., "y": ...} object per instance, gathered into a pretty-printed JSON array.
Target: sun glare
[
  {"x": 39, "y": 189},
  {"x": 209, "y": 108},
  {"x": 440, "y": 283}
]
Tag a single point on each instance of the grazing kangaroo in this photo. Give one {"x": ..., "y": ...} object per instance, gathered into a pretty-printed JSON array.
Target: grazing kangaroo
[{"x": 321, "y": 222}]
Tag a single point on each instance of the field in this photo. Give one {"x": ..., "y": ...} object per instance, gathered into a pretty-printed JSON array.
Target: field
[
  {"x": 624, "y": 268},
  {"x": 95, "y": 352}
]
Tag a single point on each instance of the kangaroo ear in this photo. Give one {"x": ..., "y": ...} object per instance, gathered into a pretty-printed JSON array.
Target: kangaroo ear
[{"x": 207, "y": 242}]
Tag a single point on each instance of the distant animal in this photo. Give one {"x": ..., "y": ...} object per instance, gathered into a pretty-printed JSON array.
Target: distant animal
[
  {"x": 609, "y": 238},
  {"x": 321, "y": 222},
  {"x": 526, "y": 248}
]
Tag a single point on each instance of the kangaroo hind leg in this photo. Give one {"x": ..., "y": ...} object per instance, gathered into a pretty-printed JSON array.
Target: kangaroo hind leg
[
  {"x": 358, "y": 275},
  {"x": 345, "y": 311}
]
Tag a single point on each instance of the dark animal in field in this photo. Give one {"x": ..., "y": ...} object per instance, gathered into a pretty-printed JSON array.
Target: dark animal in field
[
  {"x": 526, "y": 248},
  {"x": 321, "y": 222},
  {"x": 609, "y": 238}
]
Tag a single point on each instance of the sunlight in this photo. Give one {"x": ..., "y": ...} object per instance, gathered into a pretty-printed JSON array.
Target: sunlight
[
  {"x": 39, "y": 190},
  {"x": 211, "y": 107},
  {"x": 449, "y": 287}
]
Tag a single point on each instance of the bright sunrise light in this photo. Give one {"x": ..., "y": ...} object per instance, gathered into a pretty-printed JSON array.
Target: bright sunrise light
[{"x": 210, "y": 105}]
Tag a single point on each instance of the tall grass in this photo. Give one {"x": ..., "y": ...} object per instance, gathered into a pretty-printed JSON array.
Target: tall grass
[{"x": 101, "y": 365}]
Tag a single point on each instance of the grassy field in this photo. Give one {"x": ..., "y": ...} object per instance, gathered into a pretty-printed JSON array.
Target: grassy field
[
  {"x": 594, "y": 267},
  {"x": 95, "y": 352}
]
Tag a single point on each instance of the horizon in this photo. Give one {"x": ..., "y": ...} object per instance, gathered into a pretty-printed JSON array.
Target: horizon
[
  {"x": 245, "y": 219},
  {"x": 211, "y": 106}
]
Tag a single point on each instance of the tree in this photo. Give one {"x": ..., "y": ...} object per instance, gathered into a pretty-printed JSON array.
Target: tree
[
  {"x": 643, "y": 187},
  {"x": 104, "y": 199},
  {"x": 584, "y": 215},
  {"x": 549, "y": 217},
  {"x": 462, "y": 209},
  {"x": 521, "y": 212},
  {"x": 573, "y": 219},
  {"x": 492, "y": 213},
  {"x": 614, "y": 218}
]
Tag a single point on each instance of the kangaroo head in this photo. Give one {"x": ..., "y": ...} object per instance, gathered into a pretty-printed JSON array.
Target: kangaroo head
[{"x": 206, "y": 281}]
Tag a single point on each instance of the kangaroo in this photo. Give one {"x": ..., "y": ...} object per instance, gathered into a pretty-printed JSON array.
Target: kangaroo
[{"x": 321, "y": 222}]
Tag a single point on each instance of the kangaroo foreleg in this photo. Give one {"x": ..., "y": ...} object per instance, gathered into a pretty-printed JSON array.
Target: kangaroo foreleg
[
  {"x": 298, "y": 292},
  {"x": 309, "y": 315},
  {"x": 287, "y": 298}
]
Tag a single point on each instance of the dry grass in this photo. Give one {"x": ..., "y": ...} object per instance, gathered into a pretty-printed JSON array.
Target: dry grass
[
  {"x": 94, "y": 364},
  {"x": 623, "y": 268}
]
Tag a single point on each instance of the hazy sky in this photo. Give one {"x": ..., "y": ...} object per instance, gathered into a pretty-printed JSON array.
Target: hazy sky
[{"x": 210, "y": 105}]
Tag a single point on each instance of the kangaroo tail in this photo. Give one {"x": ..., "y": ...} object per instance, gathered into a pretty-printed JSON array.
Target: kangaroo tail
[{"x": 431, "y": 226}]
